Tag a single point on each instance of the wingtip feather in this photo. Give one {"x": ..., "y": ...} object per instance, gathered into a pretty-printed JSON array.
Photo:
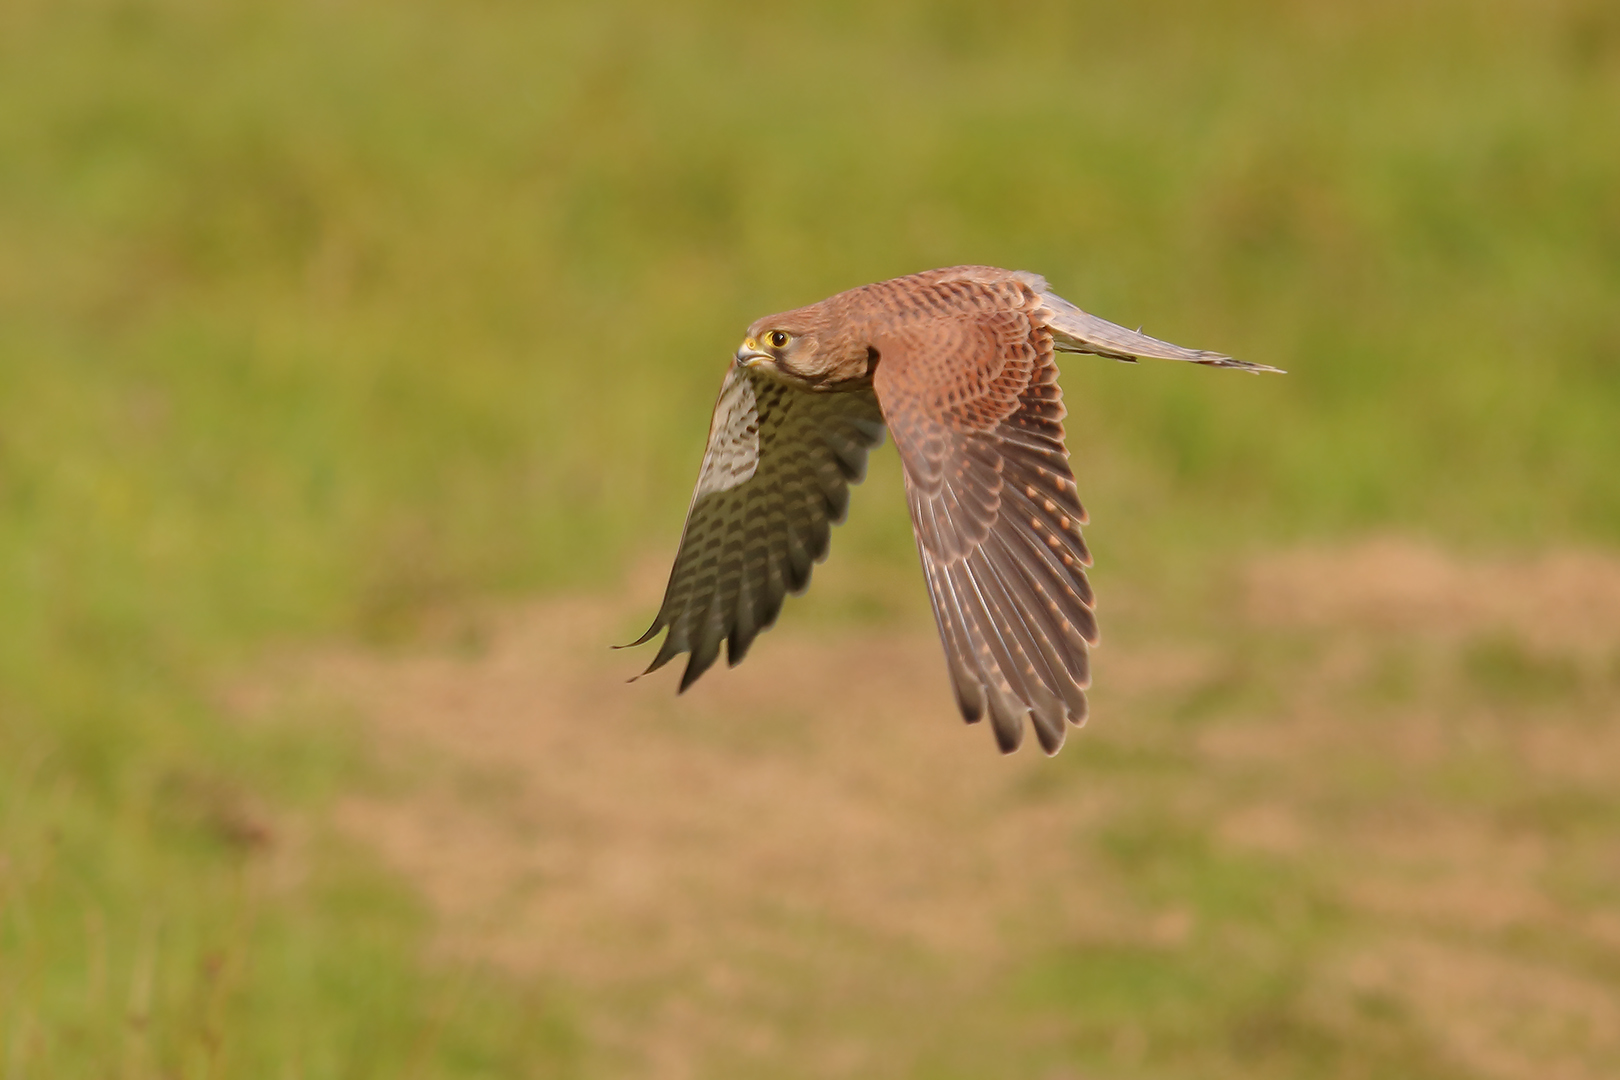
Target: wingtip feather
[{"x": 652, "y": 632}]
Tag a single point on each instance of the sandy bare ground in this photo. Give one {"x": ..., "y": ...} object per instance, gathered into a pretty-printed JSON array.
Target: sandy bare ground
[{"x": 809, "y": 859}]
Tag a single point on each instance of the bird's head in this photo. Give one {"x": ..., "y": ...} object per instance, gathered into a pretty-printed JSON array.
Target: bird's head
[{"x": 802, "y": 348}]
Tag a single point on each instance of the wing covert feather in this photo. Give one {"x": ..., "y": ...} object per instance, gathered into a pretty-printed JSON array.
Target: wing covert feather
[{"x": 977, "y": 416}]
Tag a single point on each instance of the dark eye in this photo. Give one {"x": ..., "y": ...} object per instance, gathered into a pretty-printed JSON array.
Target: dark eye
[{"x": 778, "y": 339}]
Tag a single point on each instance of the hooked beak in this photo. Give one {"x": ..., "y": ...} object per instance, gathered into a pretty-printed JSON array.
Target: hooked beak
[{"x": 749, "y": 354}]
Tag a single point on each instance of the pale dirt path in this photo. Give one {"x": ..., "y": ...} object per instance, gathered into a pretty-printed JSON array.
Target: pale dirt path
[
  {"x": 815, "y": 816},
  {"x": 803, "y": 849}
]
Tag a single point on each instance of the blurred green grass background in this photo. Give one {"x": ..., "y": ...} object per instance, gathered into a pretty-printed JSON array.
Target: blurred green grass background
[{"x": 318, "y": 315}]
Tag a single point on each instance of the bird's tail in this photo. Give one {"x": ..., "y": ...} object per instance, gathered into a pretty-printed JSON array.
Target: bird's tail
[{"x": 1074, "y": 330}]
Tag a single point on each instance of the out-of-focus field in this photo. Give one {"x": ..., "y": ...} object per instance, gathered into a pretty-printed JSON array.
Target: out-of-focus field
[
  {"x": 333, "y": 333},
  {"x": 1362, "y": 825}
]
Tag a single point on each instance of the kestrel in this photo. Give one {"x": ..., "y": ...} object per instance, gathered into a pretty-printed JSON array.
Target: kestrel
[{"x": 960, "y": 365}]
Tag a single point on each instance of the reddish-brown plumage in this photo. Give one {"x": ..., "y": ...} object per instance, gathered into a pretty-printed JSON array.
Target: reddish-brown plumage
[{"x": 960, "y": 365}]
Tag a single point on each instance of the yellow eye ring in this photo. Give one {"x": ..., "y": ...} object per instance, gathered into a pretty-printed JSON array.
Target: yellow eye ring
[{"x": 778, "y": 339}]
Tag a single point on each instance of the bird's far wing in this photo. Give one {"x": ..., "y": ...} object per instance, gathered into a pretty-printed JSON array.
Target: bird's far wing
[
  {"x": 976, "y": 413},
  {"x": 775, "y": 477},
  {"x": 1078, "y": 331}
]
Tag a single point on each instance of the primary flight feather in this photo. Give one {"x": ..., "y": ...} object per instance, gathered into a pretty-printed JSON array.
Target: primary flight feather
[{"x": 959, "y": 365}]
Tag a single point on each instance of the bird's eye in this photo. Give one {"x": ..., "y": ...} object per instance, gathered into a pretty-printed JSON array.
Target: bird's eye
[{"x": 779, "y": 339}]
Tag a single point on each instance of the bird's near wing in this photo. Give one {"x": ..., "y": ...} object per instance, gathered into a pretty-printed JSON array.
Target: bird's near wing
[
  {"x": 974, "y": 405},
  {"x": 775, "y": 477}
]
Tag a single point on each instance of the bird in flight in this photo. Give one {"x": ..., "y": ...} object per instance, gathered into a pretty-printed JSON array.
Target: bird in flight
[{"x": 960, "y": 365}]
